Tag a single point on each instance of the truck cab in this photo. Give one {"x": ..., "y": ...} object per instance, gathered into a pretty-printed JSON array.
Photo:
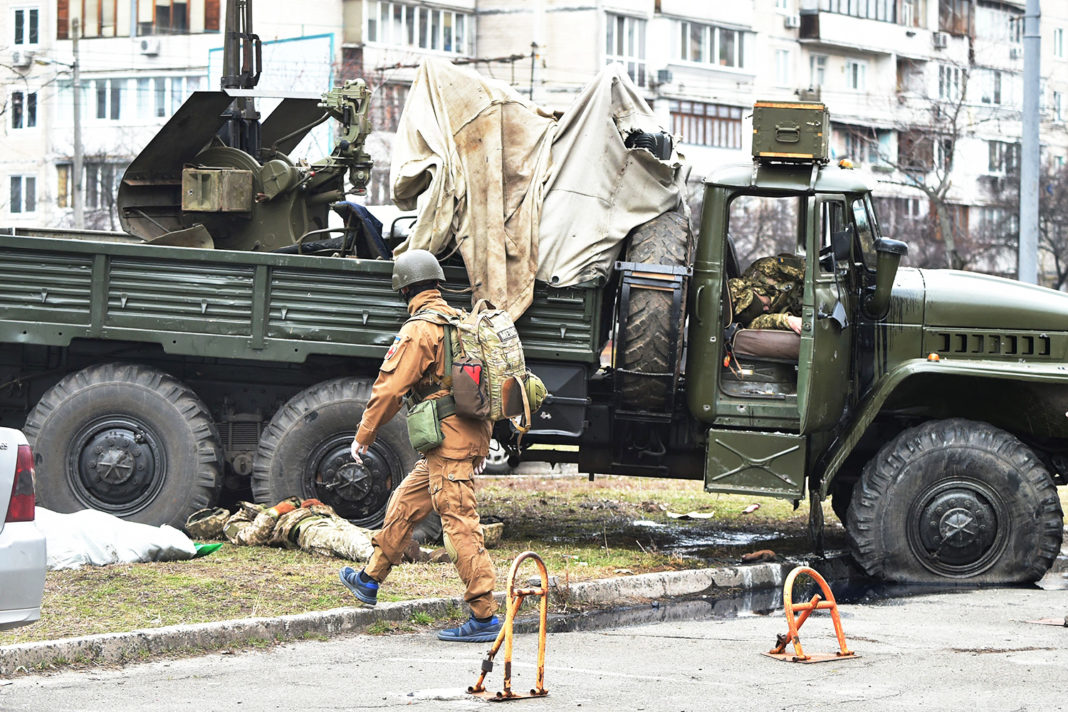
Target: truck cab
[{"x": 931, "y": 405}]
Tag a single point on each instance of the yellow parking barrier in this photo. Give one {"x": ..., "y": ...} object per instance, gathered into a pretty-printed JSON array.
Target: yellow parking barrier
[
  {"x": 825, "y": 601},
  {"x": 513, "y": 601}
]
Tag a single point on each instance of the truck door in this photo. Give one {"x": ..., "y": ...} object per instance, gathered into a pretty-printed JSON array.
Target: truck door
[{"x": 824, "y": 367}]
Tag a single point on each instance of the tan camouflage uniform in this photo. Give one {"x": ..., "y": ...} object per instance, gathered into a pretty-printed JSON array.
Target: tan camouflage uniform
[{"x": 780, "y": 279}]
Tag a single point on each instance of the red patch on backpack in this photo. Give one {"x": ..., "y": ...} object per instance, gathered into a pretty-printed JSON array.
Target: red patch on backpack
[{"x": 473, "y": 371}]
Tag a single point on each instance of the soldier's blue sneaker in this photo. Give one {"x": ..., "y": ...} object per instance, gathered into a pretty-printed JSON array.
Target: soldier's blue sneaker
[
  {"x": 363, "y": 587},
  {"x": 473, "y": 631}
]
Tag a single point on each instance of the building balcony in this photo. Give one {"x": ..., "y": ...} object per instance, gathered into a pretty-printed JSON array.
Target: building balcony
[{"x": 865, "y": 36}]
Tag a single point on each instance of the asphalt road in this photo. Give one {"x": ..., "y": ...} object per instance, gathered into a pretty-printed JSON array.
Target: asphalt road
[{"x": 975, "y": 650}]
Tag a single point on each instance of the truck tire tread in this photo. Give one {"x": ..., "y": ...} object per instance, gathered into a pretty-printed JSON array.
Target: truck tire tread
[{"x": 877, "y": 512}]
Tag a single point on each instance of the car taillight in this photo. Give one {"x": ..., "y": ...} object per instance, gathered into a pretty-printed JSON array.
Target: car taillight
[{"x": 20, "y": 509}]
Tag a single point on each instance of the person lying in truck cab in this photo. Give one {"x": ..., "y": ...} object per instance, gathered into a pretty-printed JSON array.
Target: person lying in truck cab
[{"x": 768, "y": 294}]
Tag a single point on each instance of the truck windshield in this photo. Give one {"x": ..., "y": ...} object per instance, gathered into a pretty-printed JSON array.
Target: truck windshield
[{"x": 865, "y": 232}]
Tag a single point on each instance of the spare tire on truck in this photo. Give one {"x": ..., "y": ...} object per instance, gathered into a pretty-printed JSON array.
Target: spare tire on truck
[{"x": 648, "y": 334}]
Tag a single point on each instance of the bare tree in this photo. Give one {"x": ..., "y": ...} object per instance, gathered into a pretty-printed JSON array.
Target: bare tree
[
  {"x": 928, "y": 138},
  {"x": 1053, "y": 222}
]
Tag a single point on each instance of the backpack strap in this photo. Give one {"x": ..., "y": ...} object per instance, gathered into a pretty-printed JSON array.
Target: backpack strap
[{"x": 446, "y": 322}]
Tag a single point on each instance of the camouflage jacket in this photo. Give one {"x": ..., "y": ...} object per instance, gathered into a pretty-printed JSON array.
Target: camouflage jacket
[{"x": 780, "y": 279}]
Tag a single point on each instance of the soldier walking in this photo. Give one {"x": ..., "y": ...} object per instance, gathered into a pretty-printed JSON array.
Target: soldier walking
[{"x": 441, "y": 480}]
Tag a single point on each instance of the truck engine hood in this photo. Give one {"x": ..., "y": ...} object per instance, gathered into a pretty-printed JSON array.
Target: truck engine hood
[{"x": 969, "y": 299}]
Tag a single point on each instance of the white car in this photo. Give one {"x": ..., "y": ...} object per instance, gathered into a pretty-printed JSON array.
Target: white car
[{"x": 23, "y": 559}]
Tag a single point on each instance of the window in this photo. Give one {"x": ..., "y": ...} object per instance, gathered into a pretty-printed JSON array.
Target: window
[
  {"x": 101, "y": 184},
  {"x": 955, "y": 16},
  {"x": 23, "y": 110},
  {"x": 900, "y": 216},
  {"x": 386, "y": 109},
  {"x": 109, "y": 98},
  {"x": 703, "y": 124},
  {"x": 783, "y": 5},
  {"x": 856, "y": 74},
  {"x": 817, "y": 69},
  {"x": 949, "y": 83},
  {"x": 1004, "y": 157},
  {"x": 63, "y": 198},
  {"x": 1058, "y": 43},
  {"x": 864, "y": 145},
  {"x": 25, "y": 24},
  {"x": 710, "y": 44},
  {"x": 1016, "y": 29},
  {"x": 912, "y": 13},
  {"x": 168, "y": 17},
  {"x": 866, "y": 9},
  {"x": 112, "y": 18},
  {"x": 403, "y": 25},
  {"x": 783, "y": 68},
  {"x": 23, "y": 194},
  {"x": 943, "y": 154},
  {"x": 1058, "y": 106},
  {"x": 992, "y": 87},
  {"x": 625, "y": 43}
]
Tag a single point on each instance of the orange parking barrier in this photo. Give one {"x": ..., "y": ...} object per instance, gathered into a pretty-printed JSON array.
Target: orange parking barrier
[
  {"x": 825, "y": 601},
  {"x": 513, "y": 601}
]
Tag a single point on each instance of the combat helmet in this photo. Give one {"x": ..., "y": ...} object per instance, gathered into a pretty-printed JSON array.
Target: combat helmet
[{"x": 415, "y": 266}]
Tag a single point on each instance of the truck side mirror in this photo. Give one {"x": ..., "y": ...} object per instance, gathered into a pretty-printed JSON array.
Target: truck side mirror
[
  {"x": 841, "y": 244},
  {"x": 890, "y": 252}
]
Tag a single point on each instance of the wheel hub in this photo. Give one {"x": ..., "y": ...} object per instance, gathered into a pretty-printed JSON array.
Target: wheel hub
[
  {"x": 354, "y": 491},
  {"x": 116, "y": 466},
  {"x": 958, "y": 525}
]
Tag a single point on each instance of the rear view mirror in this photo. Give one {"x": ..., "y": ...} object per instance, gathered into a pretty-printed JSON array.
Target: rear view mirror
[{"x": 841, "y": 244}]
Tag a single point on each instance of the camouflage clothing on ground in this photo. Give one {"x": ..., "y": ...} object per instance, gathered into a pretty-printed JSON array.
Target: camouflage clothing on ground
[
  {"x": 779, "y": 279},
  {"x": 309, "y": 525}
]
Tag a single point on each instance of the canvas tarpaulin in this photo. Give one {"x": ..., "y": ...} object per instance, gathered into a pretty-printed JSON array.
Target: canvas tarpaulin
[{"x": 524, "y": 194}]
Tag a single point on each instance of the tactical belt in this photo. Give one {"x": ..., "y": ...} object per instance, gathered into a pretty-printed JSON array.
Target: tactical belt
[{"x": 446, "y": 406}]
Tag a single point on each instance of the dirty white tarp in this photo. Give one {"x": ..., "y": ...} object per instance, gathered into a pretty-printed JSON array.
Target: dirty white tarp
[
  {"x": 526, "y": 195},
  {"x": 97, "y": 539},
  {"x": 598, "y": 189},
  {"x": 472, "y": 156}
]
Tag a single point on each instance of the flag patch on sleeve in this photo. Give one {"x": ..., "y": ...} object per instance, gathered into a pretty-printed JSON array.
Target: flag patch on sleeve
[{"x": 393, "y": 347}]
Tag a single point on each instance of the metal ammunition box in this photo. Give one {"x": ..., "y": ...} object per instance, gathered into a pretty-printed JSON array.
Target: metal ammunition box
[{"x": 790, "y": 131}]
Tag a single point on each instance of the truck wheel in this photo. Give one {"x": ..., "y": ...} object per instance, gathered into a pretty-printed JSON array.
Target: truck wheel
[
  {"x": 125, "y": 439},
  {"x": 955, "y": 499},
  {"x": 647, "y": 343},
  {"x": 304, "y": 452}
]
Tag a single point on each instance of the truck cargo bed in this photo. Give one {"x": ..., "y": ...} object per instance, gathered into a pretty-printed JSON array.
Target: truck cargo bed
[{"x": 245, "y": 305}]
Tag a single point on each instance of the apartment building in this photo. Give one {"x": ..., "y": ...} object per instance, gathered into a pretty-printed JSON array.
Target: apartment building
[{"x": 926, "y": 94}]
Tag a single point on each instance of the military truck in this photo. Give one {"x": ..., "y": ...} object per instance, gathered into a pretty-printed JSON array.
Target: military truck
[{"x": 148, "y": 370}]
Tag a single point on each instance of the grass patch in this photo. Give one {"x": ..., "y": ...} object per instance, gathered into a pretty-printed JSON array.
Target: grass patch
[{"x": 582, "y": 530}]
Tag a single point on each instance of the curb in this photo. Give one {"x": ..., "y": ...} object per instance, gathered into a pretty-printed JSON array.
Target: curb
[{"x": 141, "y": 645}]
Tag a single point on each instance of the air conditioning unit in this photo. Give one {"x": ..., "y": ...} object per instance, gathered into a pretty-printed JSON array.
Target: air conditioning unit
[
  {"x": 791, "y": 22},
  {"x": 148, "y": 46},
  {"x": 941, "y": 39},
  {"x": 1015, "y": 52},
  {"x": 21, "y": 58}
]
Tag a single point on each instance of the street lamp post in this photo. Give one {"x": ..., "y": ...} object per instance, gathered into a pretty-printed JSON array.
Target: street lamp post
[
  {"x": 76, "y": 87},
  {"x": 1029, "y": 147}
]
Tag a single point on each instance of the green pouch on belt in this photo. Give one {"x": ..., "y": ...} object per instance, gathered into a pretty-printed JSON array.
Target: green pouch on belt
[{"x": 424, "y": 426}]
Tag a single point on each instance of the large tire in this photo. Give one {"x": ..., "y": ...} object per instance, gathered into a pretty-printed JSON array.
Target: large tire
[
  {"x": 955, "y": 500},
  {"x": 304, "y": 452},
  {"x": 125, "y": 439},
  {"x": 647, "y": 342}
]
